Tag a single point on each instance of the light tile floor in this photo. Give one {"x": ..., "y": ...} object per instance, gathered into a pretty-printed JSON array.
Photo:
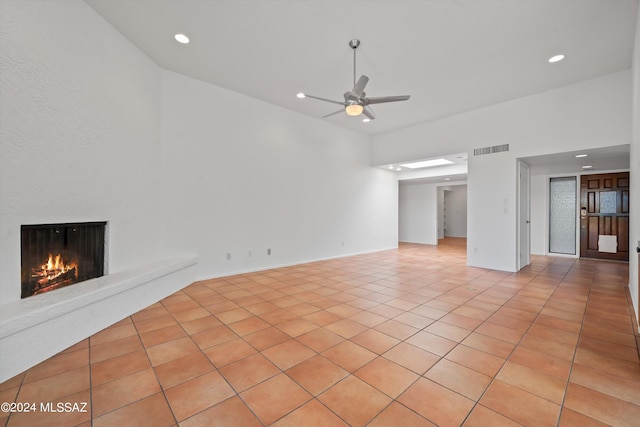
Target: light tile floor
[{"x": 407, "y": 337}]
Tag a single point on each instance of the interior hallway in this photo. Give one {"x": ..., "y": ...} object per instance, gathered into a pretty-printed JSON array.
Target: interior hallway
[{"x": 408, "y": 337}]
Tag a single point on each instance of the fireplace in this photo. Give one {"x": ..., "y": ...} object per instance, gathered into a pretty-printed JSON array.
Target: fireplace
[{"x": 58, "y": 255}]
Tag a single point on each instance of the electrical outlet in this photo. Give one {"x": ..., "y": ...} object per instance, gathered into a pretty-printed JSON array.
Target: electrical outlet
[
  {"x": 268, "y": 251},
  {"x": 228, "y": 256}
]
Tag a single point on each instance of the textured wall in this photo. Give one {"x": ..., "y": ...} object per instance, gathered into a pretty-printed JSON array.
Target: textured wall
[
  {"x": 79, "y": 134},
  {"x": 268, "y": 178}
]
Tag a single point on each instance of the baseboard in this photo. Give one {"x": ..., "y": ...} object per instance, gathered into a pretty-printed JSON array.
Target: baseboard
[{"x": 292, "y": 264}]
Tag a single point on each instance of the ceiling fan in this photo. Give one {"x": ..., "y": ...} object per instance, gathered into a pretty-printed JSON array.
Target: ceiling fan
[{"x": 355, "y": 101}]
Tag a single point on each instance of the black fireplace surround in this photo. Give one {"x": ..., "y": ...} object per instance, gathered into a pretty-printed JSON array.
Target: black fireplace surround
[{"x": 58, "y": 255}]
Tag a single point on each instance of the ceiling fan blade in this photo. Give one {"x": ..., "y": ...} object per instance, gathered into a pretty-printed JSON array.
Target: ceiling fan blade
[
  {"x": 382, "y": 99},
  {"x": 324, "y": 99},
  {"x": 358, "y": 89},
  {"x": 367, "y": 112},
  {"x": 334, "y": 113}
]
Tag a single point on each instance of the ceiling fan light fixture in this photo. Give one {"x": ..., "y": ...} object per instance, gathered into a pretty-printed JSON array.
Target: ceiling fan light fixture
[{"x": 354, "y": 109}]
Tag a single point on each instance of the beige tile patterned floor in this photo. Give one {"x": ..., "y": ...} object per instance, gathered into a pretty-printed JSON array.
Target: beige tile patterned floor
[{"x": 407, "y": 337}]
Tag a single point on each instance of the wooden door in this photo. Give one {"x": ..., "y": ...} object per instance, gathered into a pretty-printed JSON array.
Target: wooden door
[{"x": 604, "y": 210}]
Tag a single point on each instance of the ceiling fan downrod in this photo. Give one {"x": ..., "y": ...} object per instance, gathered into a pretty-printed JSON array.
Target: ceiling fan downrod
[{"x": 354, "y": 45}]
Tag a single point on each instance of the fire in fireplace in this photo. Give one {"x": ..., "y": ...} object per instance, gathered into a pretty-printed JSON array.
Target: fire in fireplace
[
  {"x": 53, "y": 272},
  {"x": 58, "y": 255}
]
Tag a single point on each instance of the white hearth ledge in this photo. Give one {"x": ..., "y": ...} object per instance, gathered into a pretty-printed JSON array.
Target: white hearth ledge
[{"x": 38, "y": 327}]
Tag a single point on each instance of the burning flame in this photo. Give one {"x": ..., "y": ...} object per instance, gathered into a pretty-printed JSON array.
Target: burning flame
[{"x": 54, "y": 268}]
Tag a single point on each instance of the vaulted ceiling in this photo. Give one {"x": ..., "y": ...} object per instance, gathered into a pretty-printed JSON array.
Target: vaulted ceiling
[{"x": 451, "y": 56}]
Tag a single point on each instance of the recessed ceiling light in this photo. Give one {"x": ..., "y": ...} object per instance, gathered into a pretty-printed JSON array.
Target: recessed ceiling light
[
  {"x": 181, "y": 38},
  {"x": 581, "y": 155},
  {"x": 366, "y": 120},
  {"x": 556, "y": 58},
  {"x": 427, "y": 163},
  {"x": 587, "y": 167},
  {"x": 391, "y": 167},
  {"x": 447, "y": 179},
  {"x": 301, "y": 95}
]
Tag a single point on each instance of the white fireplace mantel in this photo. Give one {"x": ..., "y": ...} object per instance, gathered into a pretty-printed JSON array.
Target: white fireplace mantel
[{"x": 38, "y": 327}]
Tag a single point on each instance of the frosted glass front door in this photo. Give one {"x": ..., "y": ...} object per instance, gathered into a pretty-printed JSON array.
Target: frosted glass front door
[{"x": 562, "y": 215}]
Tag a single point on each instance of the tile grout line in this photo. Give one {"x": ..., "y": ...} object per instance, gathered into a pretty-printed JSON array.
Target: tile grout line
[
  {"x": 281, "y": 371},
  {"x": 575, "y": 350},
  {"x": 91, "y": 380},
  {"x": 200, "y": 350},
  {"x": 155, "y": 374},
  {"x": 350, "y": 281},
  {"x": 295, "y": 338},
  {"x": 515, "y": 345}
]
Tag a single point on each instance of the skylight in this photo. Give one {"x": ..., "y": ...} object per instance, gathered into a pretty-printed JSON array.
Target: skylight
[{"x": 427, "y": 163}]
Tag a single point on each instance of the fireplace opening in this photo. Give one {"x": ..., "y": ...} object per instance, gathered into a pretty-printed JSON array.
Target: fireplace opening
[{"x": 58, "y": 255}]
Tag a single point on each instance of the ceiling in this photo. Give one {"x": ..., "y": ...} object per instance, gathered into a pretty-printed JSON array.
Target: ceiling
[
  {"x": 444, "y": 180},
  {"x": 451, "y": 56},
  {"x": 454, "y": 172},
  {"x": 604, "y": 159},
  {"x": 600, "y": 159}
]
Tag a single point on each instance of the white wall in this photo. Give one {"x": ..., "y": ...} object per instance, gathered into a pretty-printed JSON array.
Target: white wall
[
  {"x": 418, "y": 213},
  {"x": 591, "y": 114},
  {"x": 491, "y": 201},
  {"x": 634, "y": 217},
  {"x": 79, "y": 134},
  {"x": 266, "y": 179},
  {"x": 455, "y": 203}
]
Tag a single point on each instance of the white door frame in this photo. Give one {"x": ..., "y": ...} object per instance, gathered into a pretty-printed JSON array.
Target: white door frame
[{"x": 523, "y": 257}]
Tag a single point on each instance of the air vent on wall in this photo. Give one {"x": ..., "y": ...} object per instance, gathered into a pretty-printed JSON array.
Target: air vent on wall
[{"x": 490, "y": 150}]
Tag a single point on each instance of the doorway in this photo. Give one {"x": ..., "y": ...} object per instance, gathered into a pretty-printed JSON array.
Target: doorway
[
  {"x": 563, "y": 199},
  {"x": 454, "y": 217},
  {"x": 604, "y": 216}
]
